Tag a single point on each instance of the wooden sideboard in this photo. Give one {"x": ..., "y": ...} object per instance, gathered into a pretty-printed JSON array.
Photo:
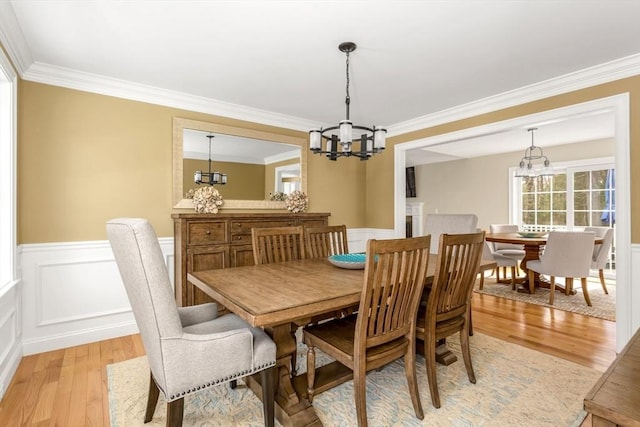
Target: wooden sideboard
[
  {"x": 615, "y": 399},
  {"x": 212, "y": 241}
]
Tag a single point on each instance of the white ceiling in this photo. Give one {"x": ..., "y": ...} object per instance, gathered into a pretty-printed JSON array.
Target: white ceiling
[{"x": 414, "y": 58}]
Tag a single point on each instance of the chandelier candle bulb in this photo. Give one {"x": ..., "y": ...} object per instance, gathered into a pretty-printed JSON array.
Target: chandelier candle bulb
[
  {"x": 346, "y": 128},
  {"x": 379, "y": 138},
  {"x": 315, "y": 140}
]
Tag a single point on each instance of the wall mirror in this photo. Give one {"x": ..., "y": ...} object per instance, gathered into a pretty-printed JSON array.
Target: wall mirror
[{"x": 252, "y": 177}]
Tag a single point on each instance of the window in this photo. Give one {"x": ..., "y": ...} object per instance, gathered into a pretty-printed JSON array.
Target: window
[{"x": 581, "y": 195}]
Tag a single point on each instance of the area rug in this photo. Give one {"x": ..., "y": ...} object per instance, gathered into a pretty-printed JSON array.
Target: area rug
[
  {"x": 515, "y": 386},
  {"x": 603, "y": 306}
]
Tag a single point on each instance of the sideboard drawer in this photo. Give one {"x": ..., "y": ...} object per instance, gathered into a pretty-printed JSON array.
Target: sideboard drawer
[
  {"x": 206, "y": 233},
  {"x": 244, "y": 227}
]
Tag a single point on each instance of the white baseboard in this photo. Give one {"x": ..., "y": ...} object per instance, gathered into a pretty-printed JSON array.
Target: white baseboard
[{"x": 74, "y": 337}]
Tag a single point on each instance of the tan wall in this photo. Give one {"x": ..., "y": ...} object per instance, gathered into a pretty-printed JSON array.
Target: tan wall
[
  {"x": 245, "y": 180},
  {"x": 481, "y": 185},
  {"x": 84, "y": 158},
  {"x": 379, "y": 184}
]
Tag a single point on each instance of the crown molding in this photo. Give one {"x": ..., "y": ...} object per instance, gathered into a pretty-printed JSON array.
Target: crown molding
[
  {"x": 73, "y": 79},
  {"x": 599, "y": 74},
  {"x": 12, "y": 39}
]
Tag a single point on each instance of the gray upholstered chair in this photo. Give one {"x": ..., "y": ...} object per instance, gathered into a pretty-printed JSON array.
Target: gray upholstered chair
[
  {"x": 501, "y": 261},
  {"x": 506, "y": 249},
  {"x": 601, "y": 252},
  {"x": 567, "y": 254},
  {"x": 437, "y": 224},
  {"x": 189, "y": 348}
]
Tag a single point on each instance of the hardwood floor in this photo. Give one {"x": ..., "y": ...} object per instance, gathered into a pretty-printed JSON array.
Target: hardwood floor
[{"x": 68, "y": 387}]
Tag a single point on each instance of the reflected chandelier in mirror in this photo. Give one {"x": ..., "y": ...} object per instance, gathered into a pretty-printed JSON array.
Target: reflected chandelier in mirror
[{"x": 233, "y": 146}]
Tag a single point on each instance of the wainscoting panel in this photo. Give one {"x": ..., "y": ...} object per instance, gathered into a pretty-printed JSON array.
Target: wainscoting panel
[
  {"x": 73, "y": 294},
  {"x": 357, "y": 237},
  {"x": 10, "y": 333}
]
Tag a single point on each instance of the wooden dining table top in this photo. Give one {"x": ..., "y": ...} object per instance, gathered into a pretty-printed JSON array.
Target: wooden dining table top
[
  {"x": 517, "y": 239},
  {"x": 278, "y": 293}
]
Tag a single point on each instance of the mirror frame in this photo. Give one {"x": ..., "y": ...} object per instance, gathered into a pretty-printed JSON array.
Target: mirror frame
[{"x": 179, "y": 124}]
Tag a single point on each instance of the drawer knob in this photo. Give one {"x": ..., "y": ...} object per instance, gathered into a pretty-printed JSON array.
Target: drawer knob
[
  {"x": 239, "y": 238},
  {"x": 208, "y": 232}
]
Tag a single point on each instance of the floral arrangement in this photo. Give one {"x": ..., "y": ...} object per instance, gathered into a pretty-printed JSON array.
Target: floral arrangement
[
  {"x": 207, "y": 199},
  {"x": 278, "y": 196},
  {"x": 296, "y": 202}
]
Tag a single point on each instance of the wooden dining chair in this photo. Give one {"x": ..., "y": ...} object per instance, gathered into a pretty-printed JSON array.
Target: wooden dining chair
[
  {"x": 325, "y": 241},
  {"x": 448, "y": 306},
  {"x": 384, "y": 329},
  {"x": 277, "y": 244},
  {"x": 567, "y": 254}
]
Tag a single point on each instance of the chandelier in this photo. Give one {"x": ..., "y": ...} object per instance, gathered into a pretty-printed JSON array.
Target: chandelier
[
  {"x": 210, "y": 178},
  {"x": 533, "y": 154},
  {"x": 371, "y": 139}
]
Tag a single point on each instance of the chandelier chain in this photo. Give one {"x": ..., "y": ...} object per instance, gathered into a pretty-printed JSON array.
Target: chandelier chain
[{"x": 348, "y": 98}]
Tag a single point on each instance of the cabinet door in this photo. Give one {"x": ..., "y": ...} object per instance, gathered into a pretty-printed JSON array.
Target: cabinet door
[
  {"x": 241, "y": 255},
  {"x": 206, "y": 258}
]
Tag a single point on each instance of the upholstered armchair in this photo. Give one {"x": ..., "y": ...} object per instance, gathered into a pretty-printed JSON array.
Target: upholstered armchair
[
  {"x": 600, "y": 255},
  {"x": 189, "y": 348},
  {"x": 437, "y": 224},
  {"x": 506, "y": 249},
  {"x": 567, "y": 254},
  {"x": 501, "y": 261}
]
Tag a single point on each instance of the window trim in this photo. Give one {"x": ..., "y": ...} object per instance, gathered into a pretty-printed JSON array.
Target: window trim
[{"x": 8, "y": 171}]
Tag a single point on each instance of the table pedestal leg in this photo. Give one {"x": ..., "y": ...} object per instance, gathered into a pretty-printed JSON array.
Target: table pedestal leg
[
  {"x": 291, "y": 410},
  {"x": 444, "y": 356}
]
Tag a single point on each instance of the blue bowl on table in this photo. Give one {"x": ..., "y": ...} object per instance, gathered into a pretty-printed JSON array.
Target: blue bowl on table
[{"x": 355, "y": 261}]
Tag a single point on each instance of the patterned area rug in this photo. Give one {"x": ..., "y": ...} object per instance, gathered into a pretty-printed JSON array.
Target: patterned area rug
[
  {"x": 603, "y": 305},
  {"x": 515, "y": 386}
]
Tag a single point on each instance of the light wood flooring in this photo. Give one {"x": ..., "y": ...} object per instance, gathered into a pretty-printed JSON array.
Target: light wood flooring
[{"x": 68, "y": 387}]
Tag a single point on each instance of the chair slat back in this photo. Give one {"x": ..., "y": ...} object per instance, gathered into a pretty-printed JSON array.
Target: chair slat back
[
  {"x": 458, "y": 261},
  {"x": 277, "y": 244},
  {"x": 325, "y": 241},
  {"x": 395, "y": 273}
]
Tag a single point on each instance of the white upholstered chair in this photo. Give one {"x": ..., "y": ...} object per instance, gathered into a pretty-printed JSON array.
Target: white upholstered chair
[
  {"x": 567, "y": 254},
  {"x": 189, "y": 348},
  {"x": 437, "y": 224},
  {"x": 601, "y": 252}
]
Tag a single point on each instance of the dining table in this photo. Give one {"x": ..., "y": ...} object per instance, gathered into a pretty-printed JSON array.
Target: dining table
[
  {"x": 533, "y": 244},
  {"x": 280, "y": 296}
]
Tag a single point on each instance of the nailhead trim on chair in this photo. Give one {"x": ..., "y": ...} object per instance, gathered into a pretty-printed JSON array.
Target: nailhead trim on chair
[{"x": 222, "y": 380}]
